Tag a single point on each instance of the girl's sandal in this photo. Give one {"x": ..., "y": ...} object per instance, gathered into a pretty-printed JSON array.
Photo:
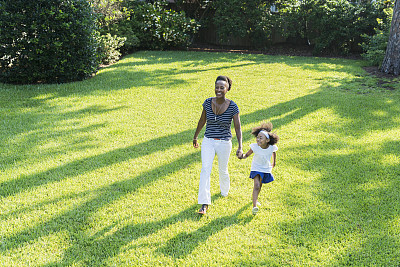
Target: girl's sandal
[
  {"x": 254, "y": 210},
  {"x": 203, "y": 209}
]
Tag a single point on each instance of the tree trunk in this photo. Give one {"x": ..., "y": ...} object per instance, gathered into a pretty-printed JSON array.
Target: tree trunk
[{"x": 391, "y": 62}]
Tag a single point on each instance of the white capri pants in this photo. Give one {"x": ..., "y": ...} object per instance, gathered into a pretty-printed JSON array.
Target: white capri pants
[{"x": 209, "y": 148}]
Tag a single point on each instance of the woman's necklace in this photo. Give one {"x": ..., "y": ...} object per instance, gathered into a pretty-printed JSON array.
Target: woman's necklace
[{"x": 217, "y": 111}]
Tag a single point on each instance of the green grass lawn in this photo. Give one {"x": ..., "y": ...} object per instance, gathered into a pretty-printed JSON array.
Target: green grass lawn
[{"x": 103, "y": 173}]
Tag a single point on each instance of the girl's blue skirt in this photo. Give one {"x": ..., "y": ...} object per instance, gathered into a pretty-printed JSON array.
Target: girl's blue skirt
[{"x": 265, "y": 177}]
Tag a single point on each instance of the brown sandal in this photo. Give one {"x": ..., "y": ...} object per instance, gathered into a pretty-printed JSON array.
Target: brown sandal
[{"x": 203, "y": 209}]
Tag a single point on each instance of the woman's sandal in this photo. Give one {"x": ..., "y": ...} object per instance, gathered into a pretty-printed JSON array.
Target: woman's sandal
[{"x": 203, "y": 209}]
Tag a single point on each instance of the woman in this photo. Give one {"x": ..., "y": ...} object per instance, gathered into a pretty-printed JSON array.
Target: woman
[{"x": 218, "y": 113}]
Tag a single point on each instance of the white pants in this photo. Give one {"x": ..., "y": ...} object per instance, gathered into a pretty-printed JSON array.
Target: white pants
[{"x": 209, "y": 148}]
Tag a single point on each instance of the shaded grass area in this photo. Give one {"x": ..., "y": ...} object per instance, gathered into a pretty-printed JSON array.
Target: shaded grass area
[{"x": 102, "y": 172}]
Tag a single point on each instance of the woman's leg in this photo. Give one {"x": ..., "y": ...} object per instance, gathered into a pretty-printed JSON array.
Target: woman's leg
[
  {"x": 223, "y": 150},
  {"x": 207, "y": 158}
]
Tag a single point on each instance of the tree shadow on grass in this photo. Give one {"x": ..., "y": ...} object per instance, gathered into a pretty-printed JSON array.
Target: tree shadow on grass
[
  {"x": 358, "y": 188},
  {"x": 25, "y": 182},
  {"x": 351, "y": 107},
  {"x": 97, "y": 249},
  {"x": 196, "y": 63},
  {"x": 185, "y": 243},
  {"x": 72, "y": 221},
  {"x": 33, "y": 128},
  {"x": 354, "y": 208}
]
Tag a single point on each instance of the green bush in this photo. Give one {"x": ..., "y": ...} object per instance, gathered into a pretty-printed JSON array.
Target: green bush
[
  {"x": 109, "y": 48},
  {"x": 124, "y": 29},
  {"x": 108, "y": 12},
  {"x": 375, "y": 46},
  {"x": 47, "y": 41},
  {"x": 250, "y": 19},
  {"x": 154, "y": 26},
  {"x": 122, "y": 40},
  {"x": 332, "y": 26}
]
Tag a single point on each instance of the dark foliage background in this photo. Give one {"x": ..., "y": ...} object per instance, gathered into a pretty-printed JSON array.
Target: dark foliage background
[{"x": 49, "y": 41}]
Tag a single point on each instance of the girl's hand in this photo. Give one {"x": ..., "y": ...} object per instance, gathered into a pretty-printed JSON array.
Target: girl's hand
[
  {"x": 244, "y": 156},
  {"x": 195, "y": 143},
  {"x": 247, "y": 154}
]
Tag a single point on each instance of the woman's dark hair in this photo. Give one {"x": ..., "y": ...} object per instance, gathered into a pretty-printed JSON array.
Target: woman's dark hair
[
  {"x": 266, "y": 126},
  {"x": 225, "y": 79}
]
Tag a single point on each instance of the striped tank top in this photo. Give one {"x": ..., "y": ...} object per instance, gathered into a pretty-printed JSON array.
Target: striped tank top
[{"x": 219, "y": 126}]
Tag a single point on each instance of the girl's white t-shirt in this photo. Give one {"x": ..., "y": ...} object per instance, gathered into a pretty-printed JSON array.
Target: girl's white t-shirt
[{"x": 262, "y": 158}]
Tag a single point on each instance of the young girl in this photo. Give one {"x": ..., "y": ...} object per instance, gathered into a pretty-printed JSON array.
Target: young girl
[{"x": 264, "y": 150}]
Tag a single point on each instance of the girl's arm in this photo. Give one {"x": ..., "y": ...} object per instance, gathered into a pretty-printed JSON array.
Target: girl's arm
[
  {"x": 248, "y": 153},
  {"x": 238, "y": 130},
  {"x": 273, "y": 159},
  {"x": 200, "y": 125}
]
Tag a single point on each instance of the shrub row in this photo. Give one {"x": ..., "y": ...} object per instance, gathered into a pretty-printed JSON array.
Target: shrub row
[
  {"x": 55, "y": 41},
  {"x": 329, "y": 26},
  {"x": 61, "y": 41},
  {"x": 47, "y": 41},
  {"x": 334, "y": 26}
]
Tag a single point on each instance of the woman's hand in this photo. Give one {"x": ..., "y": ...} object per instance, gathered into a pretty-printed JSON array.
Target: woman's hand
[
  {"x": 200, "y": 125},
  {"x": 195, "y": 143},
  {"x": 239, "y": 153},
  {"x": 238, "y": 130}
]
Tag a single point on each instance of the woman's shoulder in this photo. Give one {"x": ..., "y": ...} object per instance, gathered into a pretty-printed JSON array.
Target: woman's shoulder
[
  {"x": 233, "y": 106},
  {"x": 231, "y": 102},
  {"x": 207, "y": 101}
]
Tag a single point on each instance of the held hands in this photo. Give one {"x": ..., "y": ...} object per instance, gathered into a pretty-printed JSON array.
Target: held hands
[
  {"x": 239, "y": 153},
  {"x": 241, "y": 157}
]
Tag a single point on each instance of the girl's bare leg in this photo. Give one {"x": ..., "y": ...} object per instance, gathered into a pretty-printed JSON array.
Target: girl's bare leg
[{"x": 256, "y": 189}]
